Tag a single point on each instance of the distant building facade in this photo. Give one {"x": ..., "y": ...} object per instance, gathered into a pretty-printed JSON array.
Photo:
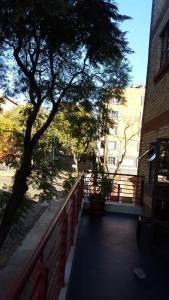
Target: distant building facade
[
  {"x": 120, "y": 148},
  {"x": 154, "y": 149}
]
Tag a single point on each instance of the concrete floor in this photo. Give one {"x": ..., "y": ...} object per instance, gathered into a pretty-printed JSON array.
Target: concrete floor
[{"x": 105, "y": 258}]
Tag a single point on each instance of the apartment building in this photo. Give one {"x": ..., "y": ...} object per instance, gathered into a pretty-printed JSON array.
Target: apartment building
[
  {"x": 154, "y": 148},
  {"x": 120, "y": 148}
]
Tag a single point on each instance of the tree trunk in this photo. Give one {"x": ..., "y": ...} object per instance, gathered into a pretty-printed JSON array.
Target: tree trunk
[
  {"x": 18, "y": 191},
  {"x": 75, "y": 162}
]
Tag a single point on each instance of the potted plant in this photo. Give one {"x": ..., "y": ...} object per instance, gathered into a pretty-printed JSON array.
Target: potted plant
[{"x": 100, "y": 190}]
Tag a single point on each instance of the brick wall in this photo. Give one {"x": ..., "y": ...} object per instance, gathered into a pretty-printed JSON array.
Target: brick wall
[
  {"x": 157, "y": 91},
  {"x": 147, "y": 139},
  {"x": 157, "y": 8},
  {"x": 156, "y": 110}
]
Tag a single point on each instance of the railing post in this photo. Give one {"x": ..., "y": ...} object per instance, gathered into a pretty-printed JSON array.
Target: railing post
[
  {"x": 142, "y": 191},
  {"x": 80, "y": 193},
  {"x": 63, "y": 250},
  {"x": 118, "y": 192},
  {"x": 44, "y": 273},
  {"x": 41, "y": 277},
  {"x": 73, "y": 221}
]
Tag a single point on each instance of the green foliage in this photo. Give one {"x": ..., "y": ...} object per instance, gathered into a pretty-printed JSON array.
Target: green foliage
[
  {"x": 101, "y": 184},
  {"x": 10, "y": 131},
  {"x": 69, "y": 182},
  {"x": 43, "y": 179},
  {"x": 61, "y": 51},
  {"x": 4, "y": 195},
  {"x": 75, "y": 127},
  {"x": 51, "y": 41},
  {"x": 53, "y": 52},
  {"x": 21, "y": 212}
]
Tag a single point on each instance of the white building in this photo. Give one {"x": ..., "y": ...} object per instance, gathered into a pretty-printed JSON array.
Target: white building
[{"x": 120, "y": 148}]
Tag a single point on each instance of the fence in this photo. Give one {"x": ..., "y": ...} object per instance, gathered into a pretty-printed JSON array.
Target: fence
[
  {"x": 43, "y": 275},
  {"x": 125, "y": 188}
]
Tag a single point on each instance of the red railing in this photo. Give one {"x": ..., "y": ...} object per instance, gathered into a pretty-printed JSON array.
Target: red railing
[
  {"x": 43, "y": 275},
  {"x": 125, "y": 188}
]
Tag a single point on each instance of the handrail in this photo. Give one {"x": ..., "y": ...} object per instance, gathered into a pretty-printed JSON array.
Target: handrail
[
  {"x": 123, "y": 174},
  {"x": 24, "y": 274},
  {"x": 49, "y": 257},
  {"x": 126, "y": 188}
]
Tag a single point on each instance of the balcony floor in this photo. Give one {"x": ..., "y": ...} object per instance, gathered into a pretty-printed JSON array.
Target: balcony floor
[{"x": 105, "y": 258}]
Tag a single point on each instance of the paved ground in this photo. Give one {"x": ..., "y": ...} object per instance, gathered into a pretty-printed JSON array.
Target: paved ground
[
  {"x": 6, "y": 178},
  {"x": 19, "y": 232},
  {"x": 105, "y": 258},
  {"x": 30, "y": 242}
]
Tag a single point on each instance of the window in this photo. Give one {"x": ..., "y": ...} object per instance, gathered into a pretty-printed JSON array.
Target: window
[
  {"x": 165, "y": 45},
  {"x": 111, "y": 160},
  {"x": 112, "y": 145},
  {"x": 115, "y": 100},
  {"x": 115, "y": 114},
  {"x": 102, "y": 144},
  {"x": 113, "y": 130}
]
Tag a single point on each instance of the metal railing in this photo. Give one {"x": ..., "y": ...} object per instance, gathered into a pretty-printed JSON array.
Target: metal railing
[
  {"x": 125, "y": 188},
  {"x": 43, "y": 275}
]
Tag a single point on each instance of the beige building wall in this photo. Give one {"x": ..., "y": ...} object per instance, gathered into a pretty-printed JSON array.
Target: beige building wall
[{"x": 123, "y": 140}]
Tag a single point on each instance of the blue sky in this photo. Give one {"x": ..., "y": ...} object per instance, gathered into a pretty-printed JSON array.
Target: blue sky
[{"x": 138, "y": 35}]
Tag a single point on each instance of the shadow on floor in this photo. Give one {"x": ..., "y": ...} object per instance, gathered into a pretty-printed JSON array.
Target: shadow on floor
[{"x": 105, "y": 258}]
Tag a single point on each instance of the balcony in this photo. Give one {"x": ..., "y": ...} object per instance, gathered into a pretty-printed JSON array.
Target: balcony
[
  {"x": 106, "y": 255},
  {"x": 126, "y": 194}
]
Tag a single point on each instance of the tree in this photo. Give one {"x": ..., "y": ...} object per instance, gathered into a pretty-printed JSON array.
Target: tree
[
  {"x": 130, "y": 128},
  {"x": 6, "y": 129},
  {"x": 11, "y": 130},
  {"x": 2, "y": 101},
  {"x": 76, "y": 129},
  {"x": 53, "y": 51},
  {"x": 126, "y": 140}
]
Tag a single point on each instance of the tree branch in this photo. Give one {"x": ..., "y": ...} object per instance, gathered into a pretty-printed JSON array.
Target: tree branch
[
  {"x": 29, "y": 124},
  {"x": 50, "y": 118},
  {"x": 125, "y": 148},
  {"x": 28, "y": 74}
]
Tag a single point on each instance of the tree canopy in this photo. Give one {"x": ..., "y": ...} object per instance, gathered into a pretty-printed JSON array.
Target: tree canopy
[{"x": 54, "y": 51}]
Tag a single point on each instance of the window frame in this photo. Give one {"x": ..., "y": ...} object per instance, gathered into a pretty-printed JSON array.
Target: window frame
[
  {"x": 115, "y": 101},
  {"x": 115, "y": 145},
  {"x": 164, "y": 62},
  {"x": 164, "y": 45},
  {"x": 109, "y": 160},
  {"x": 102, "y": 144},
  {"x": 114, "y": 129},
  {"x": 115, "y": 117}
]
